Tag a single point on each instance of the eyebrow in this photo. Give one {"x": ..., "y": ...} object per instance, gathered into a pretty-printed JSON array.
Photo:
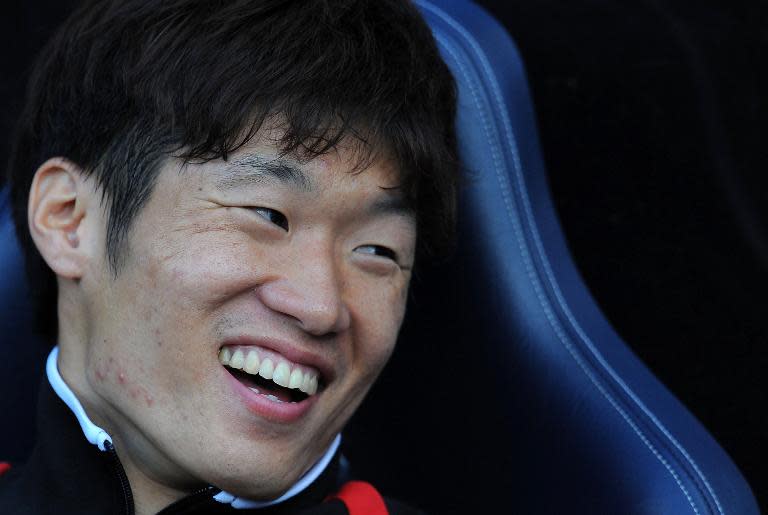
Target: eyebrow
[
  {"x": 253, "y": 169},
  {"x": 393, "y": 204}
]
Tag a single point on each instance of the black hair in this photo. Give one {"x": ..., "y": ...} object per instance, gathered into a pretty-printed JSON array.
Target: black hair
[{"x": 124, "y": 84}]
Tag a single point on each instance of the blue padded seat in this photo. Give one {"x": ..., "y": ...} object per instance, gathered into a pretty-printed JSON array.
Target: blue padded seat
[
  {"x": 22, "y": 354},
  {"x": 529, "y": 400}
]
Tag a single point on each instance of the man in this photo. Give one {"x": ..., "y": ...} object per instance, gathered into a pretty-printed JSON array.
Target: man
[{"x": 221, "y": 204}]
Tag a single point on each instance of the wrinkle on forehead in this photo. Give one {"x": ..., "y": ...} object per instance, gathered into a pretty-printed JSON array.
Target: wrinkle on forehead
[{"x": 249, "y": 169}]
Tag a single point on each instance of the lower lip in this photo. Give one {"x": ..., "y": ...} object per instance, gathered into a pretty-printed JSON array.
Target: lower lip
[{"x": 283, "y": 412}]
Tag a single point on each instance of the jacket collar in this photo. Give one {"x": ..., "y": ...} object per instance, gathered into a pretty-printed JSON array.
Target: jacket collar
[{"x": 57, "y": 425}]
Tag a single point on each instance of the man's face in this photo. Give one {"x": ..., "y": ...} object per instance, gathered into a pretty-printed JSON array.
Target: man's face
[{"x": 305, "y": 265}]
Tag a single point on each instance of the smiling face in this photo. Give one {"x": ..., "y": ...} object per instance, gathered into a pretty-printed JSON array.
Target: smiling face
[{"x": 231, "y": 266}]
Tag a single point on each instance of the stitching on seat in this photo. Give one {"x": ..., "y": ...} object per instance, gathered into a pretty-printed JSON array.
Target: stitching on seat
[
  {"x": 542, "y": 255},
  {"x": 547, "y": 310},
  {"x": 564, "y": 305},
  {"x": 550, "y": 276}
]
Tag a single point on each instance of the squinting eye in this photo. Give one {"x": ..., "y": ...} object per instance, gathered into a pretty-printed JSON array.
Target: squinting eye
[
  {"x": 276, "y": 217},
  {"x": 378, "y": 250}
]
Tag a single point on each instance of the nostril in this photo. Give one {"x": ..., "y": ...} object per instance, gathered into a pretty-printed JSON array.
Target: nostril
[
  {"x": 326, "y": 319},
  {"x": 317, "y": 308}
]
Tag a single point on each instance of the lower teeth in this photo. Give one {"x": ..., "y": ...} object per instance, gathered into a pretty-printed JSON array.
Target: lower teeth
[{"x": 270, "y": 397}]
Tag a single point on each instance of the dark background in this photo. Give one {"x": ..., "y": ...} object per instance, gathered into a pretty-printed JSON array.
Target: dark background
[{"x": 652, "y": 120}]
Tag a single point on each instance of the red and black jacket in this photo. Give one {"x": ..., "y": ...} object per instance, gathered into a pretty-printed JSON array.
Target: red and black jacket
[{"x": 67, "y": 475}]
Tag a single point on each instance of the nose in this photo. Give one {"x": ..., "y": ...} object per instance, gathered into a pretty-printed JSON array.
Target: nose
[{"x": 309, "y": 293}]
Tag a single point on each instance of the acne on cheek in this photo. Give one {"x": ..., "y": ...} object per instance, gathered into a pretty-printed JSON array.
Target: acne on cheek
[
  {"x": 140, "y": 393},
  {"x": 103, "y": 369},
  {"x": 135, "y": 391},
  {"x": 110, "y": 373}
]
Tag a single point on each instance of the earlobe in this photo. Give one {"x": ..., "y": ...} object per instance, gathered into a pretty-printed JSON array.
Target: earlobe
[
  {"x": 73, "y": 239},
  {"x": 58, "y": 202}
]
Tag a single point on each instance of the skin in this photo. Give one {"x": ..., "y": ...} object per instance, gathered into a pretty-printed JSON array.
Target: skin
[{"x": 206, "y": 261}]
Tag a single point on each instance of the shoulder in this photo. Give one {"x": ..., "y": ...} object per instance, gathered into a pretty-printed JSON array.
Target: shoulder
[
  {"x": 8, "y": 485},
  {"x": 24, "y": 491},
  {"x": 7, "y": 474},
  {"x": 396, "y": 507},
  {"x": 362, "y": 498}
]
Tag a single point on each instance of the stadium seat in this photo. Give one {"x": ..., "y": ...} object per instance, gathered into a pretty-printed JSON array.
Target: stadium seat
[
  {"x": 22, "y": 354},
  {"x": 510, "y": 392}
]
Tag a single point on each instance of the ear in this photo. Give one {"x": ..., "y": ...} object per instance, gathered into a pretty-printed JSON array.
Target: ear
[{"x": 58, "y": 203}]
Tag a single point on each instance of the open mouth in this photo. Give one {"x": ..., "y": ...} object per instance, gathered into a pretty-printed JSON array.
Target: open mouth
[{"x": 267, "y": 373}]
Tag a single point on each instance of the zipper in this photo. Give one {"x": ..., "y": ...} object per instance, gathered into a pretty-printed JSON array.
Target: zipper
[
  {"x": 191, "y": 500},
  {"x": 202, "y": 495},
  {"x": 128, "y": 508}
]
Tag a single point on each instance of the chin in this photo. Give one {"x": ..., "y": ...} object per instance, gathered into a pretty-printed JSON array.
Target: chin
[
  {"x": 265, "y": 482},
  {"x": 266, "y": 489}
]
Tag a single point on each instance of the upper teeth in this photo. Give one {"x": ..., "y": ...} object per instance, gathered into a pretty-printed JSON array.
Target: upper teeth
[{"x": 284, "y": 374}]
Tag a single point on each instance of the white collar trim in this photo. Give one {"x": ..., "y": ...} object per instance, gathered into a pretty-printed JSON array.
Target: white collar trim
[{"x": 98, "y": 437}]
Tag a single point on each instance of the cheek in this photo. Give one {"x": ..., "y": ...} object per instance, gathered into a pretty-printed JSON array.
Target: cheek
[
  {"x": 147, "y": 326},
  {"x": 378, "y": 313},
  {"x": 125, "y": 377},
  {"x": 207, "y": 269}
]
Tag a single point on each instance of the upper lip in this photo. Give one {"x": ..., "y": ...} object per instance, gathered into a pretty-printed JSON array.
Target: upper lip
[{"x": 291, "y": 351}]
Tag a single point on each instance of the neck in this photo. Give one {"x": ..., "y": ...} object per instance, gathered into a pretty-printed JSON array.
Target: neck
[{"x": 149, "y": 497}]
